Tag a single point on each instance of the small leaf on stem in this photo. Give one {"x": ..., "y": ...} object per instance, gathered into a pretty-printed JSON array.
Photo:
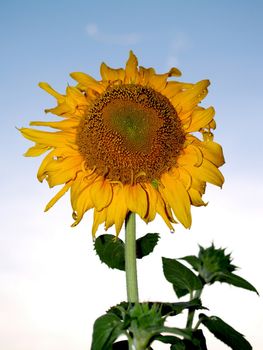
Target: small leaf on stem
[{"x": 146, "y": 244}]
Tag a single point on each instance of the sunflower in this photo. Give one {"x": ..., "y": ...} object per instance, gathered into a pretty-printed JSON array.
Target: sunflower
[{"x": 129, "y": 143}]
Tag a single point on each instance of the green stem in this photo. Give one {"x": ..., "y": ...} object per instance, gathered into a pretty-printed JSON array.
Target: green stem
[
  {"x": 130, "y": 258},
  {"x": 191, "y": 313}
]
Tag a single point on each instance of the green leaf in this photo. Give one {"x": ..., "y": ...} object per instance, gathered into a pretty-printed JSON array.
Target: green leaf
[
  {"x": 146, "y": 244},
  {"x": 173, "y": 309},
  {"x": 197, "y": 342},
  {"x": 182, "y": 278},
  {"x": 192, "y": 260},
  {"x": 167, "y": 339},
  {"x": 110, "y": 250},
  {"x": 235, "y": 280},
  {"x": 225, "y": 333},
  {"x": 121, "y": 345},
  {"x": 179, "y": 345},
  {"x": 180, "y": 292},
  {"x": 106, "y": 330}
]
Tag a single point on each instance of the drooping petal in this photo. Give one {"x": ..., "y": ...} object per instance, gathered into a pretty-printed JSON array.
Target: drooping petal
[
  {"x": 98, "y": 218},
  {"x": 117, "y": 210},
  {"x": 213, "y": 152},
  {"x": 136, "y": 199},
  {"x": 101, "y": 193},
  {"x": 151, "y": 201},
  {"x": 61, "y": 193},
  {"x": 207, "y": 172},
  {"x": 176, "y": 195},
  {"x": 196, "y": 198}
]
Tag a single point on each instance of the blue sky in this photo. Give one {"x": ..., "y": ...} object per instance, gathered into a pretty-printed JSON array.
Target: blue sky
[{"x": 50, "y": 277}]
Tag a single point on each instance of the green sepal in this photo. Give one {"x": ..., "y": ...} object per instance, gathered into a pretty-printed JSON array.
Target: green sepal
[
  {"x": 183, "y": 279},
  {"x": 110, "y": 250},
  {"x": 146, "y": 244},
  {"x": 166, "y": 309},
  {"x": 225, "y": 333},
  {"x": 106, "y": 330}
]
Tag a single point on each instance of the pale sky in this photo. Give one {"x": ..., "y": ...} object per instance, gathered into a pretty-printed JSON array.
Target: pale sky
[{"x": 52, "y": 285}]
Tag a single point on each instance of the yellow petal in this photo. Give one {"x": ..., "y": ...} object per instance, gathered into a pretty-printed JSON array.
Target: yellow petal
[
  {"x": 117, "y": 210},
  {"x": 101, "y": 193},
  {"x": 51, "y": 91},
  {"x": 62, "y": 125},
  {"x": 86, "y": 82},
  {"x": 145, "y": 75},
  {"x": 185, "y": 101},
  {"x": 151, "y": 202},
  {"x": 36, "y": 150},
  {"x": 196, "y": 198},
  {"x": 58, "y": 195},
  {"x": 158, "y": 81},
  {"x": 200, "y": 119},
  {"x": 81, "y": 202},
  {"x": 136, "y": 199},
  {"x": 131, "y": 70},
  {"x": 52, "y": 139},
  {"x": 191, "y": 155},
  {"x": 83, "y": 78},
  {"x": 161, "y": 210},
  {"x": 98, "y": 218},
  {"x": 207, "y": 172},
  {"x": 174, "y": 87},
  {"x": 111, "y": 74},
  {"x": 213, "y": 152},
  {"x": 59, "y": 171},
  {"x": 176, "y": 195}
]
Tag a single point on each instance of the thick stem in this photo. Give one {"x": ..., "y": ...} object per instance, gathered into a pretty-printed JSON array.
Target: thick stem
[{"x": 130, "y": 258}]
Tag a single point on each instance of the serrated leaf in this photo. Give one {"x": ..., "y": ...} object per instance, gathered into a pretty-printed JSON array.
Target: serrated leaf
[
  {"x": 146, "y": 244},
  {"x": 192, "y": 260},
  {"x": 106, "y": 330},
  {"x": 110, "y": 250},
  {"x": 180, "y": 276},
  {"x": 225, "y": 333},
  {"x": 236, "y": 281}
]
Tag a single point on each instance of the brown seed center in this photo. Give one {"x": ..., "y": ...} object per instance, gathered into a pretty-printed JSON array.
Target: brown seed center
[{"x": 131, "y": 134}]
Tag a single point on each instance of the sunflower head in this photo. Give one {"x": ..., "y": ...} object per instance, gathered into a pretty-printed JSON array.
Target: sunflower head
[{"x": 128, "y": 142}]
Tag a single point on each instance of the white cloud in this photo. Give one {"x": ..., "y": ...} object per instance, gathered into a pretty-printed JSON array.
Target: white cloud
[
  {"x": 180, "y": 44},
  {"x": 111, "y": 38}
]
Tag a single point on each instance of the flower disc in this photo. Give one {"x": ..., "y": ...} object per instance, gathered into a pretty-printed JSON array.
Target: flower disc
[{"x": 131, "y": 134}]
